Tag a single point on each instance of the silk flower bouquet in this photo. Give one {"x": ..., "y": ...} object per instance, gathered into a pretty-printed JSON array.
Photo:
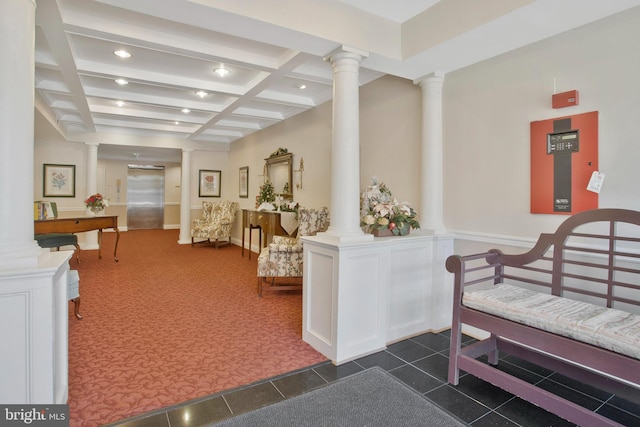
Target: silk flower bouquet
[{"x": 380, "y": 211}]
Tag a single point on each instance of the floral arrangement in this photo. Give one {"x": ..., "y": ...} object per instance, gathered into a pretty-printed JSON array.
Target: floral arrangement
[
  {"x": 96, "y": 202},
  {"x": 379, "y": 210}
]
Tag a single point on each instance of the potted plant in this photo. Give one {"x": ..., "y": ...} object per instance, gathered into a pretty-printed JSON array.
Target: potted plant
[{"x": 266, "y": 197}]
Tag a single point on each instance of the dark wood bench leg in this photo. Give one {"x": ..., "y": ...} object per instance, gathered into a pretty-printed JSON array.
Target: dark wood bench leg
[{"x": 76, "y": 307}]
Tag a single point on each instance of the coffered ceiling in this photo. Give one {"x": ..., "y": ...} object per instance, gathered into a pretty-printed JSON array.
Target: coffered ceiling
[{"x": 272, "y": 50}]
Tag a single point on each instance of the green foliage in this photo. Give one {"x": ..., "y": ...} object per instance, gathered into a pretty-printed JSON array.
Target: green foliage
[{"x": 266, "y": 193}]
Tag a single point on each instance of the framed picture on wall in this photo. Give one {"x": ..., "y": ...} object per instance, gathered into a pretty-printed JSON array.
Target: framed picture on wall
[
  {"x": 209, "y": 185},
  {"x": 58, "y": 180},
  {"x": 244, "y": 181}
]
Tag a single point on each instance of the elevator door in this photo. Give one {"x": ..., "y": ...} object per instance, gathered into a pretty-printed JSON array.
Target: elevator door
[{"x": 145, "y": 197}]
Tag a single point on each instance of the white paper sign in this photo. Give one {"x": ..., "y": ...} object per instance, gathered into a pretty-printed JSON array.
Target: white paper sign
[{"x": 595, "y": 183}]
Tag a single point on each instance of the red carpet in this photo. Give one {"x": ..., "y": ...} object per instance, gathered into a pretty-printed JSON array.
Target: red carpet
[{"x": 169, "y": 323}]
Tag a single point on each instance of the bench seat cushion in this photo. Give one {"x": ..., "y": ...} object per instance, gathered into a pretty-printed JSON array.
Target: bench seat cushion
[
  {"x": 54, "y": 240},
  {"x": 607, "y": 328}
]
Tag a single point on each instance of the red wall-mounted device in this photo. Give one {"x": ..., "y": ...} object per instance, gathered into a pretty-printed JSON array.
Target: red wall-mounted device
[
  {"x": 564, "y": 99},
  {"x": 564, "y": 155}
]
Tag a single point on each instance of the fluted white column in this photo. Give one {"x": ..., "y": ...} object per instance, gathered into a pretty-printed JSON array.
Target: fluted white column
[
  {"x": 91, "y": 237},
  {"x": 432, "y": 203},
  {"x": 185, "y": 198},
  {"x": 345, "y": 147},
  {"x": 17, "y": 41}
]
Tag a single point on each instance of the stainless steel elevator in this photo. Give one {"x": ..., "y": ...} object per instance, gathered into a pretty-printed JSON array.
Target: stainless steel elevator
[{"x": 145, "y": 197}]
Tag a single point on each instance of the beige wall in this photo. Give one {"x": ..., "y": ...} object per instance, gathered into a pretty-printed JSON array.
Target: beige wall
[
  {"x": 488, "y": 108},
  {"x": 65, "y": 153},
  {"x": 390, "y": 136},
  {"x": 57, "y": 151},
  {"x": 389, "y": 140}
]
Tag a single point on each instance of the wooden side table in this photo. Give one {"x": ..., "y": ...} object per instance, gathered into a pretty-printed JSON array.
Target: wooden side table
[{"x": 267, "y": 221}]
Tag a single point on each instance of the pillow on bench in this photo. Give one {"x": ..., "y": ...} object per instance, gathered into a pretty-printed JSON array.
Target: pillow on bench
[{"x": 604, "y": 327}]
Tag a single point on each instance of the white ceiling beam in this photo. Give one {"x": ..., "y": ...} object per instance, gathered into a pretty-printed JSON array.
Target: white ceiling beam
[{"x": 49, "y": 19}]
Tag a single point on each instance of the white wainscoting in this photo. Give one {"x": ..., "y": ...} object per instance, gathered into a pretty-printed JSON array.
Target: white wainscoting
[
  {"x": 359, "y": 297},
  {"x": 34, "y": 332}
]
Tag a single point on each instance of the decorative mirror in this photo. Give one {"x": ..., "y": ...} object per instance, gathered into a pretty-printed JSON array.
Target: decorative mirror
[{"x": 280, "y": 173}]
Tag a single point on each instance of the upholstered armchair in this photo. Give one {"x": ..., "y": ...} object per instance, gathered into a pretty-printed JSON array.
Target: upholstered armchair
[
  {"x": 283, "y": 256},
  {"x": 215, "y": 223}
]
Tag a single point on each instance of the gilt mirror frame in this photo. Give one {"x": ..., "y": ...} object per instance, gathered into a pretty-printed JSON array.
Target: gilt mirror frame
[{"x": 280, "y": 174}]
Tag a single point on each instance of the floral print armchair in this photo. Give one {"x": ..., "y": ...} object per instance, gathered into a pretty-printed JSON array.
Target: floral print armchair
[
  {"x": 215, "y": 223},
  {"x": 283, "y": 257}
]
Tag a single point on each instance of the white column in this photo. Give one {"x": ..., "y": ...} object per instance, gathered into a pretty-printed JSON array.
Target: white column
[
  {"x": 33, "y": 305},
  {"x": 92, "y": 168},
  {"x": 432, "y": 204},
  {"x": 17, "y": 39},
  {"x": 345, "y": 147},
  {"x": 91, "y": 237},
  {"x": 185, "y": 198}
]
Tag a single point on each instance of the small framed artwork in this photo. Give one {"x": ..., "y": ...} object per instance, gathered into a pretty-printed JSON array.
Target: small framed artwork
[
  {"x": 244, "y": 181},
  {"x": 58, "y": 180},
  {"x": 209, "y": 183}
]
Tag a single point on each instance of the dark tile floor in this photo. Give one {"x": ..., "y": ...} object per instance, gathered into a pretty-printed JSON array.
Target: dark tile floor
[{"x": 422, "y": 363}]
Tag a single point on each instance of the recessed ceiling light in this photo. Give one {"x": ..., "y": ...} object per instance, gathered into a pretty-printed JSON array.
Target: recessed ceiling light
[
  {"x": 122, "y": 82},
  {"x": 176, "y": 122},
  {"x": 221, "y": 71},
  {"x": 201, "y": 93},
  {"x": 301, "y": 86},
  {"x": 185, "y": 110},
  {"x": 122, "y": 53},
  {"x": 121, "y": 103}
]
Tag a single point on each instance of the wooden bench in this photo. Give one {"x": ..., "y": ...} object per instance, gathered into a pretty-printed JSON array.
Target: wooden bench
[{"x": 570, "y": 304}]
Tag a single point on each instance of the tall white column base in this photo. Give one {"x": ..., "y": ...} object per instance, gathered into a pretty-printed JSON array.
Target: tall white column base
[
  {"x": 358, "y": 297},
  {"x": 22, "y": 255}
]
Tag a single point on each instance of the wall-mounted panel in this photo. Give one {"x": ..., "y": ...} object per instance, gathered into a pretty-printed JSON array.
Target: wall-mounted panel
[{"x": 564, "y": 155}]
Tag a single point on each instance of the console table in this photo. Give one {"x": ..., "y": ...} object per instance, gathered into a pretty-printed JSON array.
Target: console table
[
  {"x": 80, "y": 224},
  {"x": 270, "y": 222}
]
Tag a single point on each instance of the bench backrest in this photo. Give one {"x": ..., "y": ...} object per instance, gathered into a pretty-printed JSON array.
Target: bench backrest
[{"x": 593, "y": 256}]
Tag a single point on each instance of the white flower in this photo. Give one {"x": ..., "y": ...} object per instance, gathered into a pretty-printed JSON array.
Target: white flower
[
  {"x": 405, "y": 208},
  {"x": 378, "y": 208},
  {"x": 383, "y": 220}
]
